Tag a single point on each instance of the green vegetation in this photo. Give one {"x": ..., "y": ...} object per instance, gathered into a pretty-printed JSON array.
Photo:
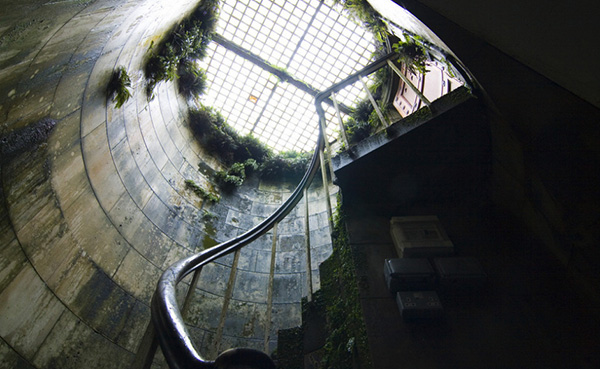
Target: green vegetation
[
  {"x": 118, "y": 87},
  {"x": 413, "y": 53},
  {"x": 208, "y": 216},
  {"x": 363, "y": 12},
  {"x": 346, "y": 345},
  {"x": 289, "y": 353},
  {"x": 236, "y": 174},
  {"x": 288, "y": 165},
  {"x": 201, "y": 192},
  {"x": 173, "y": 57},
  {"x": 363, "y": 120},
  {"x": 192, "y": 79},
  {"x": 243, "y": 154}
]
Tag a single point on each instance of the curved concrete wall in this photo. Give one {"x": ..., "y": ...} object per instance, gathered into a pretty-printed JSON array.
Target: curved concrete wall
[{"x": 92, "y": 217}]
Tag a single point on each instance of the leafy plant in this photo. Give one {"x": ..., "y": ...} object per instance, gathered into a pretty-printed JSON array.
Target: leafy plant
[
  {"x": 118, "y": 87},
  {"x": 243, "y": 154},
  {"x": 188, "y": 40},
  {"x": 412, "y": 53},
  {"x": 289, "y": 165},
  {"x": 367, "y": 15},
  {"x": 357, "y": 131},
  {"x": 192, "y": 79},
  {"x": 236, "y": 174},
  {"x": 201, "y": 192}
]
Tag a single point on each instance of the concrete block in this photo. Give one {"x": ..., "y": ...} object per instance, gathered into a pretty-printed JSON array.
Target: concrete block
[{"x": 28, "y": 311}]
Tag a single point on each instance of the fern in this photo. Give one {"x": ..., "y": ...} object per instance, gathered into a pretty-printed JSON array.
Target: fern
[{"x": 118, "y": 87}]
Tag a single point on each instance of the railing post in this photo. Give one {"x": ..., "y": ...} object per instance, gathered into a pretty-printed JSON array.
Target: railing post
[
  {"x": 326, "y": 190},
  {"x": 409, "y": 83},
  {"x": 147, "y": 349},
  {"x": 307, "y": 244},
  {"x": 373, "y": 102},
  {"x": 340, "y": 121},
  {"x": 323, "y": 127},
  {"x": 270, "y": 288},
  {"x": 226, "y": 301},
  {"x": 190, "y": 293}
]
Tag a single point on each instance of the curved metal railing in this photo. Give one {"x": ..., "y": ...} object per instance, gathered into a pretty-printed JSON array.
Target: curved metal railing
[
  {"x": 166, "y": 316},
  {"x": 167, "y": 319}
]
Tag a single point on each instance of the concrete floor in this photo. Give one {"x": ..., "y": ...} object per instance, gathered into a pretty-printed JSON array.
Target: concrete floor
[{"x": 529, "y": 314}]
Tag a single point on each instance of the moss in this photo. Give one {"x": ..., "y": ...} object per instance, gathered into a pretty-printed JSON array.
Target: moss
[
  {"x": 201, "y": 192},
  {"x": 26, "y": 138},
  {"x": 209, "y": 241},
  {"x": 289, "y": 354},
  {"x": 346, "y": 345}
]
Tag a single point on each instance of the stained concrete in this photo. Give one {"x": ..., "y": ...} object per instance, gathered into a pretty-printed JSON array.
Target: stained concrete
[{"x": 93, "y": 213}]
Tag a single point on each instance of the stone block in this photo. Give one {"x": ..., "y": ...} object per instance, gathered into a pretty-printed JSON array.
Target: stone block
[
  {"x": 28, "y": 311},
  {"x": 250, "y": 287},
  {"x": 73, "y": 344},
  {"x": 138, "y": 276}
]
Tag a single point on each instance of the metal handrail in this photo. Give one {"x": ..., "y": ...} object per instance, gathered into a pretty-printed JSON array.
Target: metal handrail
[
  {"x": 167, "y": 318},
  {"x": 172, "y": 334}
]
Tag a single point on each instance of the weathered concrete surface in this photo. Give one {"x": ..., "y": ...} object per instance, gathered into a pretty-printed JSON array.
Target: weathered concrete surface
[{"x": 92, "y": 214}]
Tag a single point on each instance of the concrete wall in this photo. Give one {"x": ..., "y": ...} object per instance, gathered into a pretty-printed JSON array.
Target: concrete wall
[
  {"x": 544, "y": 137},
  {"x": 92, "y": 216}
]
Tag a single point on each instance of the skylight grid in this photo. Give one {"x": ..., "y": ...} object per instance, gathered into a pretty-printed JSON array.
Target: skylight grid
[
  {"x": 313, "y": 41},
  {"x": 237, "y": 88},
  {"x": 289, "y": 116}
]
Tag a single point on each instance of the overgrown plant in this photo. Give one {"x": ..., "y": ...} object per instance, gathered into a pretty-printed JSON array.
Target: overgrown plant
[
  {"x": 412, "y": 53},
  {"x": 243, "y": 154},
  {"x": 201, "y": 192},
  {"x": 219, "y": 138},
  {"x": 188, "y": 40},
  {"x": 288, "y": 165},
  {"x": 192, "y": 79},
  {"x": 118, "y": 87},
  {"x": 236, "y": 174},
  {"x": 362, "y": 11}
]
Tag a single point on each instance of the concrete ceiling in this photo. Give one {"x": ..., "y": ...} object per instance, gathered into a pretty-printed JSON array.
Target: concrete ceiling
[{"x": 557, "y": 39}]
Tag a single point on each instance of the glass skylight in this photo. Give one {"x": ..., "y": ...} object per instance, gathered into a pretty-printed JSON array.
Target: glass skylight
[{"x": 313, "y": 41}]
